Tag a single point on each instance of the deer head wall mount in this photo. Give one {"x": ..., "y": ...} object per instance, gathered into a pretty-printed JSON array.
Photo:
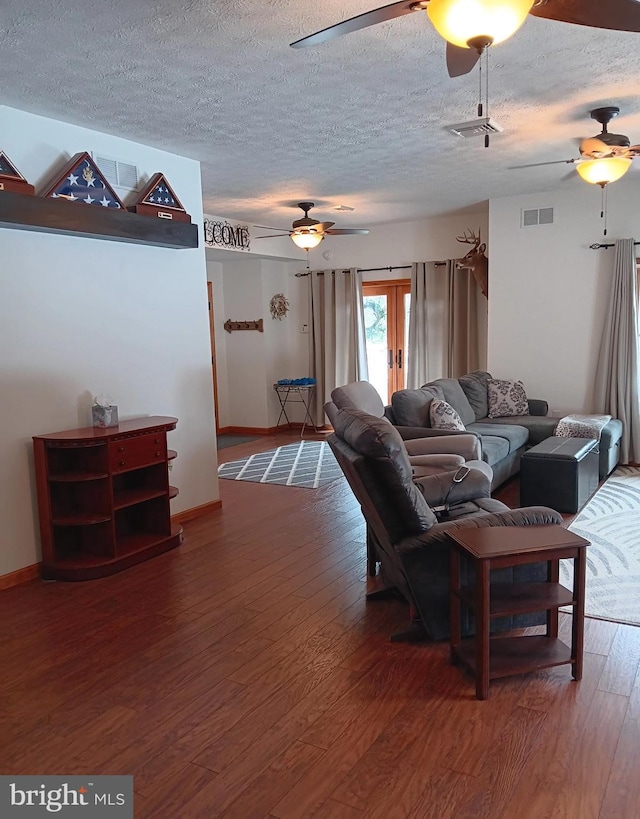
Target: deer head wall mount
[{"x": 475, "y": 260}]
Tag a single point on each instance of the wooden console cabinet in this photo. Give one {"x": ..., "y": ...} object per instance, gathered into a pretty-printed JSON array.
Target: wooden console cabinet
[{"x": 103, "y": 497}]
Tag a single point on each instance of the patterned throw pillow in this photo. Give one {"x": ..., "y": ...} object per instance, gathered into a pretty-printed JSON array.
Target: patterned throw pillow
[
  {"x": 506, "y": 398},
  {"x": 443, "y": 416}
]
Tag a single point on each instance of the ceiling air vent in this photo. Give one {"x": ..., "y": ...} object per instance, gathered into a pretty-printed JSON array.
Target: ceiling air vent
[
  {"x": 537, "y": 216},
  {"x": 118, "y": 173},
  {"x": 475, "y": 127}
]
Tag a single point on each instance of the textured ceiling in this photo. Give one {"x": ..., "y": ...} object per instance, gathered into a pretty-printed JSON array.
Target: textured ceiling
[{"x": 358, "y": 121}]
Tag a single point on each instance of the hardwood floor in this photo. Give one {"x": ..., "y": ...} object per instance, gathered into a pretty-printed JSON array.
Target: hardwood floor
[{"x": 243, "y": 675}]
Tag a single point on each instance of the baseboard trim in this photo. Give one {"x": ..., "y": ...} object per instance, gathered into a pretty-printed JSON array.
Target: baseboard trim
[
  {"x": 17, "y": 578},
  {"x": 197, "y": 512}
]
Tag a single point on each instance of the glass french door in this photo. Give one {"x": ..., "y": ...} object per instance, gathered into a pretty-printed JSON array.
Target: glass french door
[{"x": 386, "y": 321}]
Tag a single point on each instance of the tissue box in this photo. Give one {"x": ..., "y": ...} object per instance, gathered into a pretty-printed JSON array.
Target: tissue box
[{"x": 106, "y": 416}]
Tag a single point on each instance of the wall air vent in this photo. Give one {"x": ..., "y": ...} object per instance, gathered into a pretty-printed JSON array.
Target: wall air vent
[
  {"x": 475, "y": 127},
  {"x": 118, "y": 173},
  {"x": 537, "y": 216}
]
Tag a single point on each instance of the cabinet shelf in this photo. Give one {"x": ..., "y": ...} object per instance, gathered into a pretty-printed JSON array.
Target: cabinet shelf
[
  {"x": 131, "y": 544},
  {"x": 131, "y": 497},
  {"x": 103, "y": 497},
  {"x": 80, "y": 519},
  {"x": 77, "y": 477},
  {"x": 44, "y": 215}
]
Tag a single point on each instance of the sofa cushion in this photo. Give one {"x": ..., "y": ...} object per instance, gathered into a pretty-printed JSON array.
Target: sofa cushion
[
  {"x": 515, "y": 436},
  {"x": 474, "y": 386},
  {"x": 443, "y": 416},
  {"x": 506, "y": 398},
  {"x": 494, "y": 449},
  {"x": 539, "y": 426},
  {"x": 454, "y": 395},
  {"x": 411, "y": 407}
]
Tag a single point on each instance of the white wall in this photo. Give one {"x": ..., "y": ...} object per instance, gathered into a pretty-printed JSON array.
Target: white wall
[
  {"x": 401, "y": 243},
  {"x": 254, "y": 361},
  {"x": 549, "y": 291},
  {"x": 79, "y": 317}
]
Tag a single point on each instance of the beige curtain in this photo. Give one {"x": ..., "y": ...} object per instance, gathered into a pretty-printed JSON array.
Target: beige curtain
[
  {"x": 463, "y": 323},
  {"x": 337, "y": 348},
  {"x": 616, "y": 382},
  {"x": 447, "y": 323}
]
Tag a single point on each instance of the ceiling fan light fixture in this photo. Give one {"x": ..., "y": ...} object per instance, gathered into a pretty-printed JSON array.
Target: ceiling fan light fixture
[
  {"x": 306, "y": 239},
  {"x": 477, "y": 23},
  {"x": 603, "y": 171}
]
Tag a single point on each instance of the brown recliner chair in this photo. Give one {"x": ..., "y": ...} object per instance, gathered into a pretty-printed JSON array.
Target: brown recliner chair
[{"x": 410, "y": 543}]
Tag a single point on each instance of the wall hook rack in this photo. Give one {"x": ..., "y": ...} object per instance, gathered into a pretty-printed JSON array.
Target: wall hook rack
[{"x": 230, "y": 326}]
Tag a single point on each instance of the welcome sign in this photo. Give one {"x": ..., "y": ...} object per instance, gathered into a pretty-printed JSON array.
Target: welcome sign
[{"x": 226, "y": 234}]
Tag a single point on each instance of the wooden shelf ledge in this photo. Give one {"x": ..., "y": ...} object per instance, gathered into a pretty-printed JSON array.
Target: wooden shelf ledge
[{"x": 36, "y": 213}]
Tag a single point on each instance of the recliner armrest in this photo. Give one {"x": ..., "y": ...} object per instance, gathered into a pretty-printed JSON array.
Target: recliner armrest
[
  {"x": 438, "y": 533},
  {"x": 466, "y": 445},
  {"x": 537, "y": 406},
  {"x": 440, "y": 489}
]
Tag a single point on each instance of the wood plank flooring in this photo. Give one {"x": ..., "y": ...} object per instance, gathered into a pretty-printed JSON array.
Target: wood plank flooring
[{"x": 243, "y": 675}]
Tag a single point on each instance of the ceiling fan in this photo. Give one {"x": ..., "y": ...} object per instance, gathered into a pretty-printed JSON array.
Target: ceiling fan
[
  {"x": 307, "y": 233},
  {"x": 470, "y": 26},
  {"x": 605, "y": 157}
]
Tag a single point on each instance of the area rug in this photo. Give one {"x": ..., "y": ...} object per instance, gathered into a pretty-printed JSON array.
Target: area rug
[
  {"x": 309, "y": 464},
  {"x": 611, "y": 523},
  {"x": 230, "y": 439}
]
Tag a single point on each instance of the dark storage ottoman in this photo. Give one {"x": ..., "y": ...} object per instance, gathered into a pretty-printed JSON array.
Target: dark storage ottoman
[
  {"x": 559, "y": 472},
  {"x": 610, "y": 447}
]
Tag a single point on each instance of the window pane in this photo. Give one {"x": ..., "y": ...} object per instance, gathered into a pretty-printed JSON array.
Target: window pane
[{"x": 375, "y": 322}]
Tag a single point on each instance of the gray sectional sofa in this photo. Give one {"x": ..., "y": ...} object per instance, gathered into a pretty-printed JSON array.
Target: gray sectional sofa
[{"x": 503, "y": 439}]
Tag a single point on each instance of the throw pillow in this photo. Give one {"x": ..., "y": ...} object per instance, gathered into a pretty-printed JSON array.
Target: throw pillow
[
  {"x": 443, "y": 416},
  {"x": 506, "y": 398},
  {"x": 474, "y": 386}
]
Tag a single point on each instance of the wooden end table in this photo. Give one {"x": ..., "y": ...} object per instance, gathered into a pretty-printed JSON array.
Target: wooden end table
[{"x": 498, "y": 547}]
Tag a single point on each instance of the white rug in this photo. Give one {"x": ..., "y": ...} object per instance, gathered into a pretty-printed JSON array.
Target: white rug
[
  {"x": 309, "y": 464},
  {"x": 611, "y": 523}
]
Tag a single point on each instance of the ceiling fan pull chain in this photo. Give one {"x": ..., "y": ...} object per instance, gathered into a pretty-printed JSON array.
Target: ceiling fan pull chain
[
  {"x": 486, "y": 96},
  {"x": 603, "y": 211},
  {"x": 480, "y": 87}
]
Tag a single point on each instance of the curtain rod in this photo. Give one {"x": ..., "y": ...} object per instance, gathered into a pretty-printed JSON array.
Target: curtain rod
[
  {"x": 598, "y": 246},
  {"x": 378, "y": 269},
  {"x": 373, "y": 269}
]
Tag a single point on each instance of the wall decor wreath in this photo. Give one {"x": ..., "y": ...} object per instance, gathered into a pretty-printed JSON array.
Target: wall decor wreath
[{"x": 279, "y": 306}]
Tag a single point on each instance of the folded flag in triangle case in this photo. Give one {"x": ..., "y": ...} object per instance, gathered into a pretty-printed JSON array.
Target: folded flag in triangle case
[{"x": 82, "y": 181}]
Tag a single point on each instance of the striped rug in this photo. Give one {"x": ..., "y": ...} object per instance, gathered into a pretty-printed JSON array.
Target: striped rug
[
  {"x": 611, "y": 523},
  {"x": 309, "y": 464}
]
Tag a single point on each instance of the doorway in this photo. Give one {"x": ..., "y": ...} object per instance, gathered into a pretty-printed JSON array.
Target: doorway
[
  {"x": 213, "y": 353},
  {"x": 386, "y": 319}
]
